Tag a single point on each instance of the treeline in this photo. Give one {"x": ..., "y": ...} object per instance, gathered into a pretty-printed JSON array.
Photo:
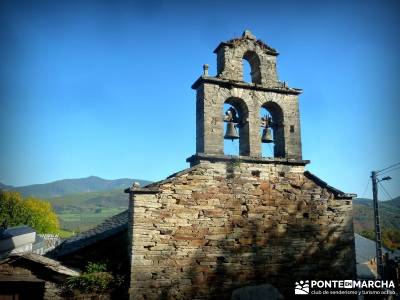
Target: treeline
[
  {"x": 390, "y": 237},
  {"x": 34, "y": 212}
]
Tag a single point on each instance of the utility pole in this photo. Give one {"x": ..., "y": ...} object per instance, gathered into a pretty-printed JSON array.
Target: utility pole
[{"x": 378, "y": 238}]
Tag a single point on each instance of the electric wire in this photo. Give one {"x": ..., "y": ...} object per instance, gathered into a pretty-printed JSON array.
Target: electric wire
[
  {"x": 388, "y": 171},
  {"x": 365, "y": 190},
  {"x": 389, "y": 167},
  {"x": 386, "y": 192}
]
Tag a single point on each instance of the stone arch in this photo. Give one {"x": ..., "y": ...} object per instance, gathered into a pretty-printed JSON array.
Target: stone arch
[
  {"x": 277, "y": 128},
  {"x": 243, "y": 124},
  {"x": 255, "y": 64}
]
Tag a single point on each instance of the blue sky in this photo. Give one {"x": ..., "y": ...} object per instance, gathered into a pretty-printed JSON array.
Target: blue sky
[{"x": 103, "y": 88}]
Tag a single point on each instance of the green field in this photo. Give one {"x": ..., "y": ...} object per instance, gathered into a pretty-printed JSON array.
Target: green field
[
  {"x": 82, "y": 211},
  {"x": 81, "y": 221}
]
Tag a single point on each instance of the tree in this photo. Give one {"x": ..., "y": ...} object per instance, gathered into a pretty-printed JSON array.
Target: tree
[
  {"x": 12, "y": 210},
  {"x": 41, "y": 215},
  {"x": 33, "y": 212},
  {"x": 391, "y": 238}
]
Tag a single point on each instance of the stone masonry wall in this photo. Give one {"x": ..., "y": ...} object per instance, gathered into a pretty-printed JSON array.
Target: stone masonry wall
[{"x": 223, "y": 225}]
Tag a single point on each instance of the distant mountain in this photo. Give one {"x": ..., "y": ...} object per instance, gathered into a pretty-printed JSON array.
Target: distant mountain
[
  {"x": 89, "y": 201},
  {"x": 72, "y": 186},
  {"x": 5, "y": 187},
  {"x": 389, "y": 212}
]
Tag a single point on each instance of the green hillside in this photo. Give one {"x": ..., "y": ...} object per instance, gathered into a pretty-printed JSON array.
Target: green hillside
[
  {"x": 81, "y": 211},
  {"x": 82, "y": 203},
  {"x": 5, "y": 187},
  {"x": 72, "y": 186},
  {"x": 364, "y": 214},
  {"x": 389, "y": 212},
  {"x": 89, "y": 201}
]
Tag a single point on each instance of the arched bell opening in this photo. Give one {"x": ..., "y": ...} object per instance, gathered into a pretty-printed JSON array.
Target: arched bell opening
[
  {"x": 246, "y": 71},
  {"x": 236, "y": 127},
  {"x": 251, "y": 64},
  {"x": 272, "y": 130},
  {"x": 266, "y": 134}
]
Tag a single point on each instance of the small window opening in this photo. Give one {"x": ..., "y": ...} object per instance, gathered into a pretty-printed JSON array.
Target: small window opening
[
  {"x": 291, "y": 128},
  {"x": 251, "y": 67}
]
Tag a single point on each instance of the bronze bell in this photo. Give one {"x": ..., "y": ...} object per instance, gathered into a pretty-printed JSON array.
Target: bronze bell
[
  {"x": 231, "y": 132},
  {"x": 266, "y": 136}
]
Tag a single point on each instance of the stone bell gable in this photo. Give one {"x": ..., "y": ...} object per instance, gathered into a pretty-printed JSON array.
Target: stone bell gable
[
  {"x": 233, "y": 221},
  {"x": 265, "y": 91},
  {"x": 261, "y": 57}
]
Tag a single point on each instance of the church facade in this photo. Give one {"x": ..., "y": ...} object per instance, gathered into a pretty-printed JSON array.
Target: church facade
[{"x": 247, "y": 220}]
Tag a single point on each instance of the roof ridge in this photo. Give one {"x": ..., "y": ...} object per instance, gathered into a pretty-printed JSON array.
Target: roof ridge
[{"x": 338, "y": 193}]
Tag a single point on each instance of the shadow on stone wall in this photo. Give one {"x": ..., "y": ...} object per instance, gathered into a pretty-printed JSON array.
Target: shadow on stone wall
[{"x": 259, "y": 263}]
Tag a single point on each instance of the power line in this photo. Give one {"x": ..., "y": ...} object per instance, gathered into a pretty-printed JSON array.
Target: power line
[
  {"x": 386, "y": 192},
  {"x": 391, "y": 170},
  {"x": 365, "y": 190},
  {"x": 391, "y": 166}
]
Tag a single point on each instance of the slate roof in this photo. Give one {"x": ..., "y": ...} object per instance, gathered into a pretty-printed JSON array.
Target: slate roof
[
  {"x": 335, "y": 191},
  {"x": 366, "y": 251},
  {"x": 45, "y": 262},
  {"x": 365, "y": 248},
  {"x": 108, "y": 228},
  {"x": 15, "y": 231}
]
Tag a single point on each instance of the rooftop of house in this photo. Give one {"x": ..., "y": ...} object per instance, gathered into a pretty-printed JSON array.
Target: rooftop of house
[
  {"x": 15, "y": 231},
  {"x": 42, "y": 261}
]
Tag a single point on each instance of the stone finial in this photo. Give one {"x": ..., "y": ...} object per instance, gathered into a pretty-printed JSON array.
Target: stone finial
[
  {"x": 248, "y": 35},
  {"x": 135, "y": 185},
  {"x": 205, "y": 70}
]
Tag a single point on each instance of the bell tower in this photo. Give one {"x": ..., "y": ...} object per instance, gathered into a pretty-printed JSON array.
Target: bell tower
[
  {"x": 190, "y": 233},
  {"x": 281, "y": 127}
]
